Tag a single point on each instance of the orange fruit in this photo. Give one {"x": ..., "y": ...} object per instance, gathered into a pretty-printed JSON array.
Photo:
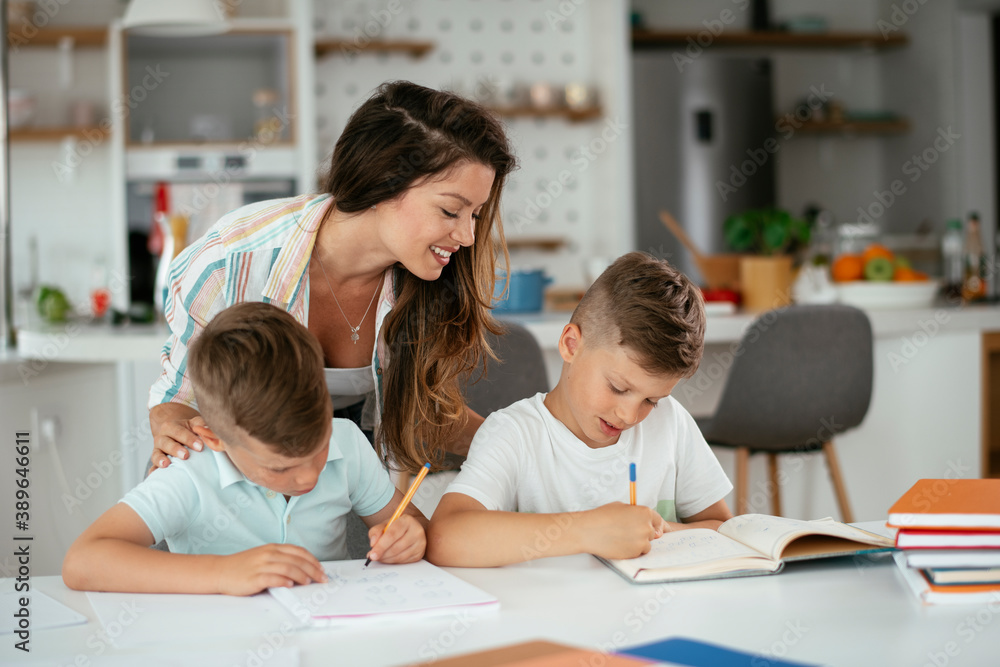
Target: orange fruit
[
  {"x": 848, "y": 267},
  {"x": 877, "y": 250},
  {"x": 904, "y": 274}
]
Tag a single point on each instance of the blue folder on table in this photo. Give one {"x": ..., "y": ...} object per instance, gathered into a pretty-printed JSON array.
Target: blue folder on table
[{"x": 696, "y": 653}]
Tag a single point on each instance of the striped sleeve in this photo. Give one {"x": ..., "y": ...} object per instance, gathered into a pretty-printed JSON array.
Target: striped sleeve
[{"x": 196, "y": 292}]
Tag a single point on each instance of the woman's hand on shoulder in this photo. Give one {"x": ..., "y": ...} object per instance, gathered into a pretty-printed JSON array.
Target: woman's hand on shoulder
[{"x": 172, "y": 425}]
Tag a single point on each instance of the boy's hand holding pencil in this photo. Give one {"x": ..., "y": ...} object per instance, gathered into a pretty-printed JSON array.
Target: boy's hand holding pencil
[
  {"x": 617, "y": 530},
  {"x": 401, "y": 539}
]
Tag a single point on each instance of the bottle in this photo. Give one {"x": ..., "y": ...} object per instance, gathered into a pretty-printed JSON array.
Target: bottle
[
  {"x": 161, "y": 243},
  {"x": 974, "y": 282},
  {"x": 952, "y": 260}
]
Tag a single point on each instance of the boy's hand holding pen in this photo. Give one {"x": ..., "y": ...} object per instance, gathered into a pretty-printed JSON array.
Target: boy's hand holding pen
[{"x": 402, "y": 537}]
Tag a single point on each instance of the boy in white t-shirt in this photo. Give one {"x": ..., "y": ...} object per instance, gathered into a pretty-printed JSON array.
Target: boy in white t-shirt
[{"x": 549, "y": 475}]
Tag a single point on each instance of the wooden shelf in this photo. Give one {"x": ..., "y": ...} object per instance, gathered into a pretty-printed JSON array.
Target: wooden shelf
[
  {"x": 416, "y": 49},
  {"x": 573, "y": 115},
  {"x": 536, "y": 243},
  {"x": 642, "y": 39},
  {"x": 897, "y": 126},
  {"x": 56, "y": 133},
  {"x": 95, "y": 37}
]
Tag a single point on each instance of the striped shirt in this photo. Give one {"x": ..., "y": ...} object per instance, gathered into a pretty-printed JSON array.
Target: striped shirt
[{"x": 259, "y": 252}]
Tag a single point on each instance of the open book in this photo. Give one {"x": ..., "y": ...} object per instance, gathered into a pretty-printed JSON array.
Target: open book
[{"x": 746, "y": 545}]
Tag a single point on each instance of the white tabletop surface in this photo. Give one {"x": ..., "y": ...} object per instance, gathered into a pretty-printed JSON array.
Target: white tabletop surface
[{"x": 838, "y": 612}]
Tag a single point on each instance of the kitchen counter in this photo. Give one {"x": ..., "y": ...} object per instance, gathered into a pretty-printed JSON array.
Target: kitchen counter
[
  {"x": 78, "y": 342},
  {"x": 886, "y": 323}
]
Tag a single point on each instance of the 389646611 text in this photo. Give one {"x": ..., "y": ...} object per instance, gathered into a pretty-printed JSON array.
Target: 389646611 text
[{"x": 22, "y": 541}]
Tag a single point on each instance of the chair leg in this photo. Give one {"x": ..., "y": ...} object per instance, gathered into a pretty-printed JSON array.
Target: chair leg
[
  {"x": 742, "y": 465},
  {"x": 838, "y": 482},
  {"x": 772, "y": 465}
]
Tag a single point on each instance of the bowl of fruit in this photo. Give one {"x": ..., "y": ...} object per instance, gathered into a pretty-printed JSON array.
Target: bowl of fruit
[{"x": 878, "y": 278}]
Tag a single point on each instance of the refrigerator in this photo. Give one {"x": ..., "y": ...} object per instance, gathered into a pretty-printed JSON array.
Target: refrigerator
[{"x": 701, "y": 137}]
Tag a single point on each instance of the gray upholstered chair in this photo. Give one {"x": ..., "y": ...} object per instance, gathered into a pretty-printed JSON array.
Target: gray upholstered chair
[
  {"x": 801, "y": 376},
  {"x": 520, "y": 373}
]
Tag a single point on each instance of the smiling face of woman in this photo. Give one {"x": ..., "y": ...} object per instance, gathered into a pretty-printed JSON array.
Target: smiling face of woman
[{"x": 435, "y": 218}]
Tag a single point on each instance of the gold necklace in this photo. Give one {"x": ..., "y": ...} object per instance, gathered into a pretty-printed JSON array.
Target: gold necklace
[{"x": 354, "y": 330}]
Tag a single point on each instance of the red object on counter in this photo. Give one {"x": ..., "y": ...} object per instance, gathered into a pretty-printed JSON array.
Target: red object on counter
[
  {"x": 100, "y": 301},
  {"x": 161, "y": 209},
  {"x": 720, "y": 294}
]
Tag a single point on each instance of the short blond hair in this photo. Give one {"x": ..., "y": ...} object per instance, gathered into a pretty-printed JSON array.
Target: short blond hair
[
  {"x": 650, "y": 308},
  {"x": 255, "y": 368}
]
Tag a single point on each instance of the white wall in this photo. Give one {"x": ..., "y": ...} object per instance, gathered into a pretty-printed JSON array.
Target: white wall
[{"x": 519, "y": 41}]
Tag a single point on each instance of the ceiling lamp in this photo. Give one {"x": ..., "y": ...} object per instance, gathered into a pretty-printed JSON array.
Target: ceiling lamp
[{"x": 174, "y": 18}]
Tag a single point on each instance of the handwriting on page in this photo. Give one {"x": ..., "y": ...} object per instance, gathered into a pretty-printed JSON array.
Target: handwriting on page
[
  {"x": 685, "y": 547},
  {"x": 354, "y": 591}
]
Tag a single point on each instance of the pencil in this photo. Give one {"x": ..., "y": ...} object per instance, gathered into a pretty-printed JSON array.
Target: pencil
[
  {"x": 405, "y": 501},
  {"x": 631, "y": 483}
]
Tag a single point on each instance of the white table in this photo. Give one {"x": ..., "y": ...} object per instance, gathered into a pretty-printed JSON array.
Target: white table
[{"x": 837, "y": 612}]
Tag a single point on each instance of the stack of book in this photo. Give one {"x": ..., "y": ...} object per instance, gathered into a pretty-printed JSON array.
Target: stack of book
[{"x": 949, "y": 539}]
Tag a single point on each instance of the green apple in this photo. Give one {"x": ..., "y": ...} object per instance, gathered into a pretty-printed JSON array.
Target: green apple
[{"x": 879, "y": 268}]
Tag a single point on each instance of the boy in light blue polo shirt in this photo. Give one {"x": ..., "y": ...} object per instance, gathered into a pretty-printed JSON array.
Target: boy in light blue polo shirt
[{"x": 270, "y": 498}]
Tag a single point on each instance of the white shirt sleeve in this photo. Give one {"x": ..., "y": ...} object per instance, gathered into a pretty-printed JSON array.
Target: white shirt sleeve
[
  {"x": 701, "y": 482},
  {"x": 490, "y": 473}
]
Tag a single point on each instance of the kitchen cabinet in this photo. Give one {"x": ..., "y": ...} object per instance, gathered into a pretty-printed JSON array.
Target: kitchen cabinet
[
  {"x": 21, "y": 43},
  {"x": 765, "y": 39},
  {"x": 220, "y": 89}
]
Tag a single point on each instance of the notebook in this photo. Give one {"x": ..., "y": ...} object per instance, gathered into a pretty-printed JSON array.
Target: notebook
[
  {"x": 746, "y": 545},
  {"x": 973, "y": 594},
  {"x": 694, "y": 653},
  {"x": 355, "y": 593},
  {"x": 44, "y": 612},
  {"x": 948, "y": 539},
  {"x": 969, "y": 504}
]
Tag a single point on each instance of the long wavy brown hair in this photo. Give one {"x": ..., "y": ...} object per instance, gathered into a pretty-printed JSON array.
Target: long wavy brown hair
[{"x": 436, "y": 333}]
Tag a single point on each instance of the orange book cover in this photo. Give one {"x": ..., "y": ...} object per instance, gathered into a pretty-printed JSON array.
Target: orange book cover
[{"x": 949, "y": 504}]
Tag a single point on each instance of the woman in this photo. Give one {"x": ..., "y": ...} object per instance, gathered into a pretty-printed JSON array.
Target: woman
[{"x": 392, "y": 269}]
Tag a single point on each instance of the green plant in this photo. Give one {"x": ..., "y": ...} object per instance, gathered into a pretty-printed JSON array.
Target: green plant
[{"x": 765, "y": 231}]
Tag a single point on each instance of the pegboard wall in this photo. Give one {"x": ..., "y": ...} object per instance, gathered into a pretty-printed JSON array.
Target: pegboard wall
[{"x": 481, "y": 46}]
